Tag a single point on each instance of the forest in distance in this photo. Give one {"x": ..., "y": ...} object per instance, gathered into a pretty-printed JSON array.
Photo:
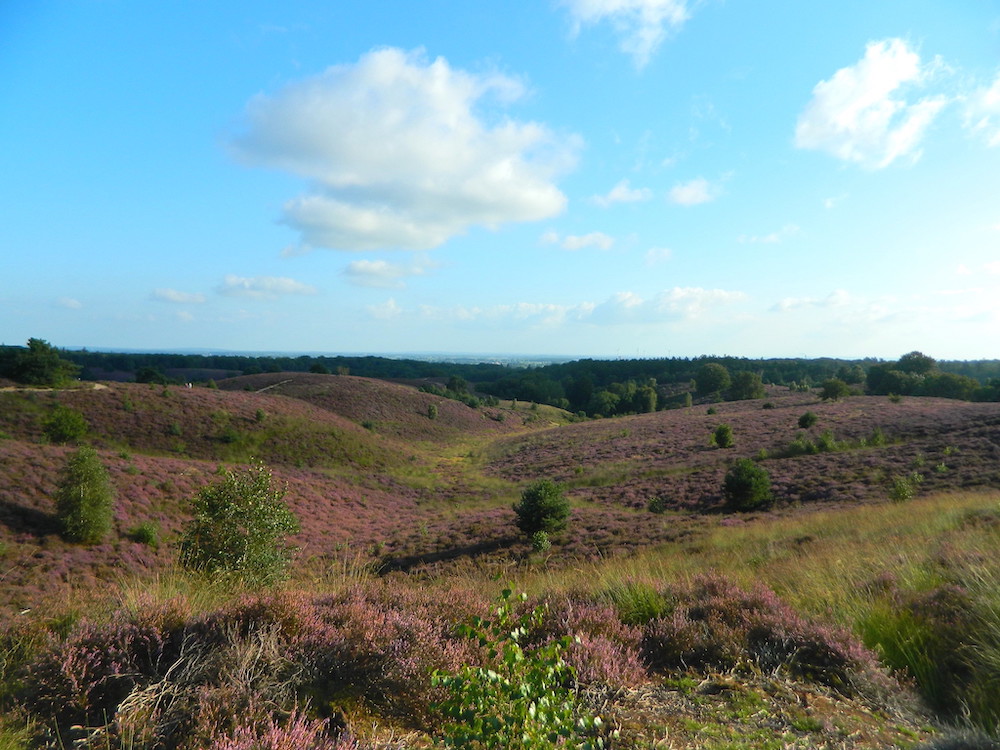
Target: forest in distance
[{"x": 587, "y": 387}]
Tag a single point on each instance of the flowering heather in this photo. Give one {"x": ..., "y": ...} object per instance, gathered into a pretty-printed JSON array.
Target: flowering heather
[
  {"x": 716, "y": 624},
  {"x": 297, "y": 733}
]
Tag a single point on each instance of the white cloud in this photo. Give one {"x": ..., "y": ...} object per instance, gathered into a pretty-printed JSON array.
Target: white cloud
[
  {"x": 982, "y": 112},
  {"x": 789, "y": 230},
  {"x": 698, "y": 190},
  {"x": 623, "y": 193},
  {"x": 69, "y": 303},
  {"x": 599, "y": 240},
  {"x": 174, "y": 296},
  {"x": 833, "y": 202},
  {"x": 398, "y": 157},
  {"x": 962, "y": 270},
  {"x": 642, "y": 25},
  {"x": 658, "y": 255},
  {"x": 386, "y": 311},
  {"x": 382, "y": 274},
  {"x": 992, "y": 268},
  {"x": 837, "y": 298},
  {"x": 859, "y": 116},
  {"x": 262, "y": 287},
  {"x": 594, "y": 239}
]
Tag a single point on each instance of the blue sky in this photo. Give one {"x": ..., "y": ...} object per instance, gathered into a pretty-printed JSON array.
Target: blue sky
[{"x": 610, "y": 178}]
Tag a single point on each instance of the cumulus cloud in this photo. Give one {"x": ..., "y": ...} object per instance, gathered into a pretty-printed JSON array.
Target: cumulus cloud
[
  {"x": 789, "y": 230},
  {"x": 397, "y": 155},
  {"x": 642, "y": 25},
  {"x": 386, "y": 311},
  {"x": 860, "y": 114},
  {"x": 623, "y": 192},
  {"x": 698, "y": 190},
  {"x": 982, "y": 112},
  {"x": 176, "y": 297},
  {"x": 262, "y": 287}
]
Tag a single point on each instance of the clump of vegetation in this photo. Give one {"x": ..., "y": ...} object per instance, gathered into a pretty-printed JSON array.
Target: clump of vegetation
[
  {"x": 903, "y": 488},
  {"x": 722, "y": 437},
  {"x": 807, "y": 420},
  {"x": 747, "y": 486},
  {"x": 239, "y": 529},
  {"x": 543, "y": 507},
  {"x": 38, "y": 364},
  {"x": 657, "y": 504},
  {"x": 147, "y": 533},
  {"x": 523, "y": 698},
  {"x": 834, "y": 389},
  {"x": 85, "y": 498},
  {"x": 64, "y": 425},
  {"x": 432, "y": 411},
  {"x": 712, "y": 378}
]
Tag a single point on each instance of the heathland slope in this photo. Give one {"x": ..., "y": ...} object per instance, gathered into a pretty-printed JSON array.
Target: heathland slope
[{"x": 406, "y": 523}]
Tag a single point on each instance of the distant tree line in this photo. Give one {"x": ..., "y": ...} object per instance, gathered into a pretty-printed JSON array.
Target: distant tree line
[{"x": 587, "y": 386}]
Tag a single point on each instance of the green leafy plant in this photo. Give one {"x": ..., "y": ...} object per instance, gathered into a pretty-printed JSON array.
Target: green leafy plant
[
  {"x": 432, "y": 411},
  {"x": 524, "y": 698},
  {"x": 239, "y": 529},
  {"x": 722, "y": 437},
  {"x": 807, "y": 420},
  {"x": 85, "y": 498},
  {"x": 657, "y": 504},
  {"x": 540, "y": 542},
  {"x": 543, "y": 507},
  {"x": 747, "y": 486},
  {"x": 64, "y": 425},
  {"x": 904, "y": 488}
]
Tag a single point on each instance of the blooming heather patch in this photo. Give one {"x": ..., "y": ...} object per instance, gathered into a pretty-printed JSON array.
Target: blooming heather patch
[{"x": 716, "y": 624}]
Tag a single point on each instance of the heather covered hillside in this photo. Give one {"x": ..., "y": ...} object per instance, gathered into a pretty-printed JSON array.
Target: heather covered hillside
[{"x": 851, "y": 609}]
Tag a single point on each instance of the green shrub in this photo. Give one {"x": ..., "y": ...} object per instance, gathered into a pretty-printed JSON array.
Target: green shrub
[
  {"x": 904, "y": 488},
  {"x": 85, "y": 498},
  {"x": 543, "y": 507},
  {"x": 747, "y": 486},
  {"x": 807, "y": 420},
  {"x": 239, "y": 529},
  {"x": 834, "y": 389},
  {"x": 540, "y": 542},
  {"x": 432, "y": 411},
  {"x": 64, "y": 425},
  {"x": 657, "y": 504},
  {"x": 722, "y": 437},
  {"x": 147, "y": 533},
  {"x": 523, "y": 698}
]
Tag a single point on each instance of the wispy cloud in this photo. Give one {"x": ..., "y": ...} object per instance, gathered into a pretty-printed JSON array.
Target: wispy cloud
[
  {"x": 623, "y": 192},
  {"x": 262, "y": 287},
  {"x": 600, "y": 240},
  {"x": 982, "y": 112},
  {"x": 789, "y": 230},
  {"x": 656, "y": 255},
  {"x": 837, "y": 298},
  {"x": 859, "y": 115},
  {"x": 698, "y": 190},
  {"x": 397, "y": 155},
  {"x": 383, "y": 274},
  {"x": 642, "y": 25},
  {"x": 69, "y": 303},
  {"x": 176, "y": 297}
]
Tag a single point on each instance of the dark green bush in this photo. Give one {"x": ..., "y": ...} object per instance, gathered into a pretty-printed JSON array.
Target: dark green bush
[
  {"x": 85, "y": 498},
  {"x": 807, "y": 420},
  {"x": 64, "y": 425},
  {"x": 747, "y": 486},
  {"x": 722, "y": 437},
  {"x": 543, "y": 507}
]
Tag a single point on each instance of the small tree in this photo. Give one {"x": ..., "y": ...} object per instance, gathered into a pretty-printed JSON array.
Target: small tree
[
  {"x": 712, "y": 378},
  {"x": 40, "y": 364},
  {"x": 747, "y": 486},
  {"x": 542, "y": 508},
  {"x": 722, "y": 437},
  {"x": 746, "y": 385},
  {"x": 807, "y": 420},
  {"x": 834, "y": 389},
  {"x": 64, "y": 425},
  {"x": 85, "y": 498},
  {"x": 239, "y": 529}
]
